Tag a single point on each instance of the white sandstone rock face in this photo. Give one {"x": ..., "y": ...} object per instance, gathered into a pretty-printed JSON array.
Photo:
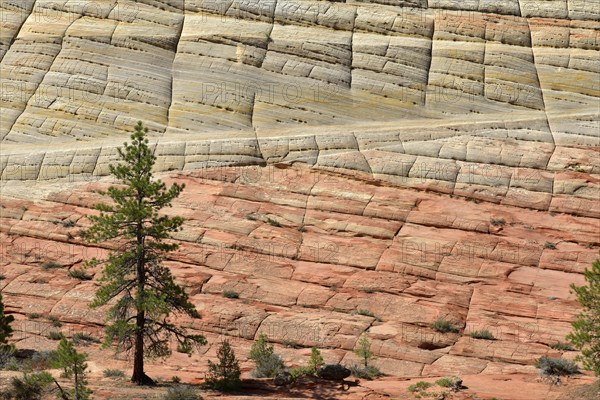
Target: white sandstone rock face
[{"x": 462, "y": 97}]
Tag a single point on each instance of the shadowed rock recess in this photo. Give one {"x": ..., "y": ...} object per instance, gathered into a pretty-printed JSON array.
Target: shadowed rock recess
[{"x": 351, "y": 167}]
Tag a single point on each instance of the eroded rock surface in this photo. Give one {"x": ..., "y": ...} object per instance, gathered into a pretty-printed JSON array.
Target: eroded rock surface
[
  {"x": 357, "y": 167},
  {"x": 313, "y": 271}
]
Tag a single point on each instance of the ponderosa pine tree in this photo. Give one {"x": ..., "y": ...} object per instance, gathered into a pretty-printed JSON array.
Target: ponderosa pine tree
[
  {"x": 224, "y": 375},
  {"x": 145, "y": 291},
  {"x": 363, "y": 350},
  {"x": 586, "y": 327},
  {"x": 74, "y": 367}
]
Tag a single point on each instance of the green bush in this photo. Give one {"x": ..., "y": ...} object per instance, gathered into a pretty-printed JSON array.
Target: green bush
[
  {"x": 454, "y": 382},
  {"x": 586, "y": 326},
  {"x": 31, "y": 386},
  {"x": 7, "y": 358},
  {"x": 419, "y": 386},
  {"x": 297, "y": 372},
  {"x": 269, "y": 367},
  {"x": 368, "y": 372},
  {"x": 314, "y": 364},
  {"x": 292, "y": 344},
  {"x": 444, "y": 326},
  {"x": 74, "y": 368},
  {"x": 51, "y": 265},
  {"x": 549, "y": 245},
  {"x": 562, "y": 346},
  {"x": 273, "y": 222},
  {"x": 483, "y": 334},
  {"x": 497, "y": 221},
  {"x": 84, "y": 338},
  {"x": 556, "y": 366},
  {"x": 80, "y": 274},
  {"x": 180, "y": 392},
  {"x": 55, "y": 335},
  {"x": 316, "y": 361},
  {"x": 113, "y": 373},
  {"x": 33, "y": 315},
  {"x": 13, "y": 365},
  {"x": 268, "y": 364},
  {"x": 231, "y": 294},
  {"x": 224, "y": 375},
  {"x": 54, "y": 321},
  {"x": 41, "y": 360}
]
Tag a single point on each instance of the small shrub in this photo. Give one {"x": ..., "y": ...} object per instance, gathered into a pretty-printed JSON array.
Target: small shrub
[
  {"x": 84, "y": 338},
  {"x": 368, "y": 313},
  {"x": 497, "y": 221},
  {"x": 31, "y": 386},
  {"x": 292, "y": 344},
  {"x": 231, "y": 294},
  {"x": 269, "y": 367},
  {"x": 175, "y": 379},
  {"x": 34, "y": 315},
  {"x": 180, "y": 392},
  {"x": 549, "y": 245},
  {"x": 68, "y": 223},
  {"x": 54, "y": 321},
  {"x": 454, "y": 383},
  {"x": 41, "y": 360},
  {"x": 419, "y": 386},
  {"x": 185, "y": 347},
  {"x": 51, "y": 265},
  {"x": 586, "y": 326},
  {"x": 80, "y": 274},
  {"x": 556, "y": 366},
  {"x": 113, "y": 373},
  {"x": 368, "y": 372},
  {"x": 40, "y": 281},
  {"x": 55, "y": 335},
  {"x": 364, "y": 353},
  {"x": 562, "y": 346},
  {"x": 483, "y": 334},
  {"x": 251, "y": 217},
  {"x": 268, "y": 364},
  {"x": 7, "y": 357},
  {"x": 363, "y": 350},
  {"x": 368, "y": 290},
  {"x": 316, "y": 361},
  {"x": 444, "y": 326},
  {"x": 74, "y": 367},
  {"x": 224, "y": 375},
  {"x": 297, "y": 372},
  {"x": 2, "y": 277},
  {"x": 272, "y": 222},
  {"x": 13, "y": 365}
]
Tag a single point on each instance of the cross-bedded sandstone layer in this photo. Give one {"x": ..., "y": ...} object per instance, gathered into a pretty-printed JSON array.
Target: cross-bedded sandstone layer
[{"x": 75, "y": 70}]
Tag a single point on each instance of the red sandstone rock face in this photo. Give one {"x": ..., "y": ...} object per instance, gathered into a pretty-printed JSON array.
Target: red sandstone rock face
[{"x": 319, "y": 260}]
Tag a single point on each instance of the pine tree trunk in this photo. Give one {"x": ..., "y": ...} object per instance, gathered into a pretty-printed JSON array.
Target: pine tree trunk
[
  {"x": 139, "y": 376},
  {"x": 76, "y": 386}
]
